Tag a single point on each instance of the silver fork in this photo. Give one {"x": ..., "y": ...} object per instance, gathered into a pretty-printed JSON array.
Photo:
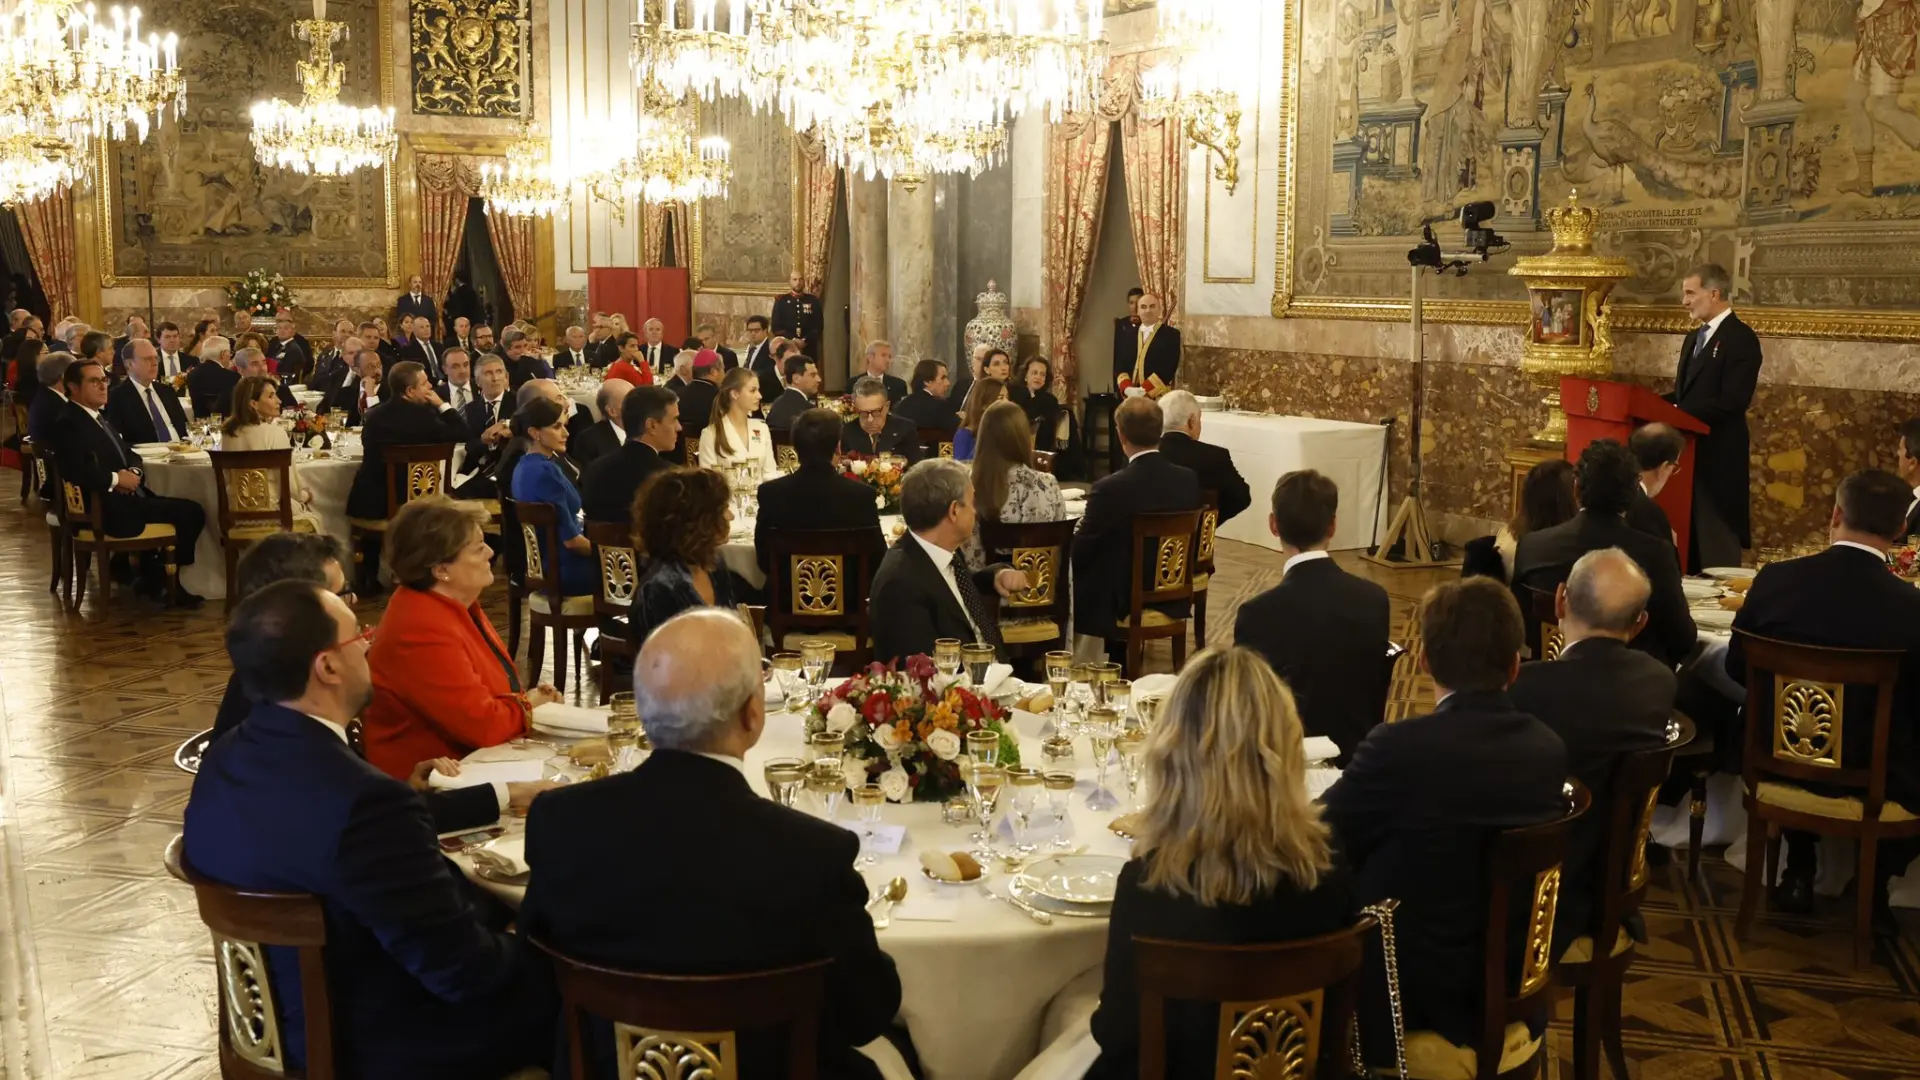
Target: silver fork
[{"x": 1032, "y": 912}]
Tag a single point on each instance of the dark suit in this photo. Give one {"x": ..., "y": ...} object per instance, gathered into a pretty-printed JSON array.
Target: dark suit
[
  {"x": 1324, "y": 631},
  {"x": 422, "y": 984},
  {"x": 1605, "y": 701},
  {"x": 1213, "y": 466},
  {"x": 346, "y": 398},
  {"x": 395, "y": 423},
  {"x": 785, "y": 894},
  {"x": 566, "y": 358},
  {"x": 927, "y": 411},
  {"x": 728, "y": 358},
  {"x": 896, "y": 386},
  {"x": 526, "y": 369},
  {"x": 44, "y": 414},
  {"x": 957, "y": 393},
  {"x": 414, "y": 305},
  {"x": 1913, "y": 518},
  {"x": 478, "y": 416},
  {"x": 786, "y": 408},
  {"x": 425, "y": 353},
  {"x": 816, "y": 496},
  {"x": 1546, "y": 557},
  {"x": 799, "y": 315},
  {"x": 607, "y": 486},
  {"x": 662, "y": 362},
  {"x": 1103, "y": 544},
  {"x": 127, "y": 412},
  {"x": 445, "y": 390},
  {"x": 898, "y": 436},
  {"x": 1647, "y": 516},
  {"x": 1285, "y": 913},
  {"x": 1413, "y": 813},
  {"x": 603, "y": 353},
  {"x": 760, "y": 359},
  {"x": 696, "y": 407},
  {"x": 598, "y": 440},
  {"x": 1163, "y": 356},
  {"x": 912, "y": 604},
  {"x": 329, "y": 372},
  {"x": 210, "y": 388},
  {"x": 89, "y": 453},
  {"x": 1716, "y": 388},
  {"x": 182, "y": 363}
]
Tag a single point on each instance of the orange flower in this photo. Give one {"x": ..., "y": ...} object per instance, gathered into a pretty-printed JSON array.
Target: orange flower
[
  {"x": 925, "y": 729},
  {"x": 903, "y": 731}
]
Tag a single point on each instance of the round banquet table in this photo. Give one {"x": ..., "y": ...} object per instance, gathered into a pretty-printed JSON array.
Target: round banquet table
[
  {"x": 190, "y": 476},
  {"x": 583, "y": 396},
  {"x": 974, "y": 990}
]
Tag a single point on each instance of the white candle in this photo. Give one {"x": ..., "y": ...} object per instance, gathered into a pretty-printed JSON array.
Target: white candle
[{"x": 319, "y": 9}]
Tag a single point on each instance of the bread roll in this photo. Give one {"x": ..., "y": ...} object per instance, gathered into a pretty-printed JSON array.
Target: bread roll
[
  {"x": 940, "y": 865},
  {"x": 1739, "y": 584},
  {"x": 969, "y": 869}
]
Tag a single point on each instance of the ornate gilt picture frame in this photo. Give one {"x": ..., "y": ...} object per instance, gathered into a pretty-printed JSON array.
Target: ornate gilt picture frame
[
  {"x": 1706, "y": 131},
  {"x": 736, "y": 242}
]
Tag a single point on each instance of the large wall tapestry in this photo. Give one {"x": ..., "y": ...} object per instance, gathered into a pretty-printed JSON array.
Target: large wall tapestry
[
  {"x": 466, "y": 57},
  {"x": 1766, "y": 135},
  {"x": 216, "y": 211},
  {"x": 745, "y": 242}
]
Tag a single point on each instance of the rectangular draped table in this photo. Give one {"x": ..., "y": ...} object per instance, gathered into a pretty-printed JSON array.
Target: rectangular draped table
[{"x": 1265, "y": 448}]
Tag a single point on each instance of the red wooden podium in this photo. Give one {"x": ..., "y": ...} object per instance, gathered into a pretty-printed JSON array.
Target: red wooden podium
[
  {"x": 642, "y": 293},
  {"x": 1612, "y": 410}
]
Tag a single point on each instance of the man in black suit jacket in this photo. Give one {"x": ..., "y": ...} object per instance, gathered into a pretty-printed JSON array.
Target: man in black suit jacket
[
  {"x": 574, "y": 350},
  {"x": 607, "y": 434},
  {"x": 816, "y": 496},
  {"x": 411, "y": 415},
  {"x": 651, "y": 415},
  {"x": 1607, "y": 479},
  {"x": 1605, "y": 701},
  {"x": 143, "y": 409},
  {"x": 415, "y": 303},
  {"x": 927, "y": 405},
  {"x": 523, "y": 364},
  {"x": 456, "y": 386},
  {"x": 98, "y": 460},
  {"x": 1719, "y": 367},
  {"x": 172, "y": 360},
  {"x": 421, "y": 350},
  {"x": 423, "y": 977},
  {"x": 874, "y": 431},
  {"x": 1656, "y": 450},
  {"x": 362, "y": 390},
  {"x": 1103, "y": 544},
  {"x": 803, "y": 382},
  {"x": 1845, "y": 598},
  {"x": 709, "y": 336},
  {"x": 799, "y": 316},
  {"x": 210, "y": 384},
  {"x": 1323, "y": 630},
  {"x": 334, "y": 363},
  {"x": 510, "y": 452},
  {"x": 49, "y": 405},
  {"x": 1126, "y": 332},
  {"x": 759, "y": 357},
  {"x": 489, "y": 421},
  {"x": 924, "y": 590},
  {"x": 1906, "y": 461},
  {"x": 1211, "y": 464},
  {"x": 785, "y": 893},
  {"x": 136, "y": 330},
  {"x": 653, "y": 346},
  {"x": 1415, "y": 808},
  {"x": 290, "y": 351},
  {"x": 696, "y": 398},
  {"x": 1152, "y": 358},
  {"x": 878, "y": 359}
]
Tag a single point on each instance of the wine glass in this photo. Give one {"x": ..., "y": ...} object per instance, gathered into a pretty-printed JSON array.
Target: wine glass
[
  {"x": 1024, "y": 790},
  {"x": 1102, "y": 675},
  {"x": 1059, "y": 669},
  {"x": 788, "y": 679},
  {"x": 946, "y": 656},
  {"x": 983, "y": 746},
  {"x": 1103, "y": 726},
  {"x": 784, "y": 777},
  {"x": 977, "y": 657},
  {"x": 1147, "y": 709},
  {"x": 623, "y": 731},
  {"x": 827, "y": 785},
  {"x": 1119, "y": 695},
  {"x": 1079, "y": 697},
  {"x": 824, "y": 751},
  {"x": 868, "y": 799},
  {"x": 816, "y": 659},
  {"x": 1059, "y": 784},
  {"x": 987, "y": 782}
]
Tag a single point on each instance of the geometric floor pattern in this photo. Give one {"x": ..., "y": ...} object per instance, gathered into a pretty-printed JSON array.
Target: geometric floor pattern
[{"x": 104, "y": 965}]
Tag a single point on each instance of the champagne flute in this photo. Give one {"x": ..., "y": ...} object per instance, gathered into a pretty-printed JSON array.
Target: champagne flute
[
  {"x": 1132, "y": 744},
  {"x": 1103, "y": 726},
  {"x": 1024, "y": 789},
  {"x": 788, "y": 679},
  {"x": 1079, "y": 696},
  {"x": 977, "y": 657},
  {"x": 946, "y": 656},
  {"x": 816, "y": 659},
  {"x": 1059, "y": 664},
  {"x": 623, "y": 732},
  {"x": 868, "y": 799},
  {"x": 1147, "y": 708},
  {"x": 987, "y": 781},
  {"x": 784, "y": 777},
  {"x": 1059, "y": 784}
]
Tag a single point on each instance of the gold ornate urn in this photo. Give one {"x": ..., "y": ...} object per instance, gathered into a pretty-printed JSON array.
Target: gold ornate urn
[{"x": 1568, "y": 331}]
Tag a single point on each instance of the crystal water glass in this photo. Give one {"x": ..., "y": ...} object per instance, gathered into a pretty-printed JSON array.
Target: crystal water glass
[
  {"x": 788, "y": 679},
  {"x": 827, "y": 786},
  {"x": 1103, "y": 727},
  {"x": 946, "y": 656},
  {"x": 1059, "y": 784},
  {"x": 868, "y": 801},
  {"x": 987, "y": 782},
  {"x": 977, "y": 657},
  {"x": 824, "y": 751},
  {"x": 785, "y": 775},
  {"x": 623, "y": 732},
  {"x": 983, "y": 747},
  {"x": 1059, "y": 669},
  {"x": 1023, "y": 791},
  {"x": 816, "y": 659}
]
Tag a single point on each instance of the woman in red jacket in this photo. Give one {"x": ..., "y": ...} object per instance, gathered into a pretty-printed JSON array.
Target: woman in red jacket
[{"x": 443, "y": 684}]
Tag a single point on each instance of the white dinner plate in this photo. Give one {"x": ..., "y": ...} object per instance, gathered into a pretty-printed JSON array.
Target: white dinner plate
[
  {"x": 1074, "y": 879},
  {"x": 1023, "y": 892},
  {"x": 1713, "y": 618},
  {"x": 1700, "y": 590},
  {"x": 1726, "y": 573}
]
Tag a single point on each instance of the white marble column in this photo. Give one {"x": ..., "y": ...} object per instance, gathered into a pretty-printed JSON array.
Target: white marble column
[
  {"x": 867, "y": 263},
  {"x": 910, "y": 273}
]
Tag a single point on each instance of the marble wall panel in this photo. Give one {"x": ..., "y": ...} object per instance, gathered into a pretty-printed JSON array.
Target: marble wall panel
[{"x": 729, "y": 312}]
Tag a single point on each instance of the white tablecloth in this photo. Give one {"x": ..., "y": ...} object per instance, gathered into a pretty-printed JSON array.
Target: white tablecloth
[
  {"x": 584, "y": 396},
  {"x": 330, "y": 479},
  {"x": 1266, "y": 448},
  {"x": 975, "y": 990}
]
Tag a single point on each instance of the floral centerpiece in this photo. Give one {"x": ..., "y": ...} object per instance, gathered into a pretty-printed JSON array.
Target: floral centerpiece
[
  {"x": 310, "y": 431},
  {"x": 880, "y": 474},
  {"x": 260, "y": 293},
  {"x": 906, "y": 729}
]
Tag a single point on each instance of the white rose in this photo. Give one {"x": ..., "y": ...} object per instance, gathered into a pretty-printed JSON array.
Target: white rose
[
  {"x": 895, "y": 785},
  {"x": 840, "y": 718},
  {"x": 857, "y": 467},
  {"x": 888, "y": 737},
  {"x": 855, "y": 771},
  {"x": 944, "y": 744},
  {"x": 879, "y": 502}
]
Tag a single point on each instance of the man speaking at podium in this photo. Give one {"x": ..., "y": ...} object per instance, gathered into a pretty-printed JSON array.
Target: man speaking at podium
[{"x": 1719, "y": 365}]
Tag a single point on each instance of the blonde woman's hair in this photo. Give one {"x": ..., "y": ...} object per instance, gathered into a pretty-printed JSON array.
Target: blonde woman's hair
[{"x": 1230, "y": 818}]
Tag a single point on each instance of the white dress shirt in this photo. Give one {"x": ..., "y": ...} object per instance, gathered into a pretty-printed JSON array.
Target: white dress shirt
[
  {"x": 1713, "y": 326},
  {"x": 1305, "y": 556},
  {"x": 499, "y": 788},
  {"x": 459, "y": 396},
  {"x": 1873, "y": 551},
  {"x": 653, "y": 358},
  {"x": 735, "y": 763},
  {"x": 169, "y": 364},
  {"x": 943, "y": 561},
  {"x": 1915, "y": 502},
  {"x": 156, "y": 408}
]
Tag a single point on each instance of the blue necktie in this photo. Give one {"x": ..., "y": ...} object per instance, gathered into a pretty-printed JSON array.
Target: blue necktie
[
  {"x": 1700, "y": 341},
  {"x": 160, "y": 430}
]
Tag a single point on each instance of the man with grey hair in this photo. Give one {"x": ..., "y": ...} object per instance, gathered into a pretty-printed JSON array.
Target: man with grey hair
[
  {"x": 50, "y": 401},
  {"x": 873, "y": 430},
  {"x": 1605, "y": 701},
  {"x": 1212, "y": 465},
  {"x": 659, "y": 354},
  {"x": 777, "y": 887},
  {"x": 575, "y": 354},
  {"x": 879, "y": 363},
  {"x": 210, "y": 384},
  {"x": 142, "y": 408},
  {"x": 1719, "y": 368},
  {"x": 523, "y": 364},
  {"x": 606, "y": 435},
  {"x": 919, "y": 595}
]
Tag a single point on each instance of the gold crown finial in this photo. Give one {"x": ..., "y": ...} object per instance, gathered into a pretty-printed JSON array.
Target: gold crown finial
[{"x": 1573, "y": 226}]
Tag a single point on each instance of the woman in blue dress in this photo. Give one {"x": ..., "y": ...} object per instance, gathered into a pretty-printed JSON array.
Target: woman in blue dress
[
  {"x": 537, "y": 479},
  {"x": 986, "y": 392}
]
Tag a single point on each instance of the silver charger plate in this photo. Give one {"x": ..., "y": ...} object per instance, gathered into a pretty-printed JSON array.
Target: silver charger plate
[
  {"x": 1056, "y": 907},
  {"x": 1074, "y": 879}
]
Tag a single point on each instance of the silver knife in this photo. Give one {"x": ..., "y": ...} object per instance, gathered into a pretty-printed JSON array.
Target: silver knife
[{"x": 1033, "y": 913}]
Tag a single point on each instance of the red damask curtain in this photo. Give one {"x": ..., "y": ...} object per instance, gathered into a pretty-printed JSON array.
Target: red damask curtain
[
  {"x": 1154, "y": 154},
  {"x": 821, "y": 179},
  {"x": 47, "y": 228},
  {"x": 1076, "y": 193},
  {"x": 653, "y": 233},
  {"x": 513, "y": 247},
  {"x": 446, "y": 181}
]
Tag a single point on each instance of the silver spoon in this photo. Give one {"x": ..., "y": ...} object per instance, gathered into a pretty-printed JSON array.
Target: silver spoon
[{"x": 896, "y": 891}]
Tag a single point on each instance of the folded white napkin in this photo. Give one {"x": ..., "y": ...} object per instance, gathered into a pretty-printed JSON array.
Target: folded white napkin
[
  {"x": 997, "y": 676},
  {"x": 474, "y": 773},
  {"x": 1319, "y": 780},
  {"x": 1153, "y": 684},
  {"x": 570, "y": 719},
  {"x": 924, "y": 905},
  {"x": 512, "y": 849},
  {"x": 1321, "y": 748}
]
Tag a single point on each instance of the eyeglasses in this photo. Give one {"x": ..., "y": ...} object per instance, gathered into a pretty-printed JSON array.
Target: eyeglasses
[
  {"x": 871, "y": 414},
  {"x": 365, "y": 634}
]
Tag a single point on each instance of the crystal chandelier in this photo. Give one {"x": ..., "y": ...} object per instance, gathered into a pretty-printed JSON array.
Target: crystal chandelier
[
  {"x": 670, "y": 162},
  {"x": 33, "y": 166},
  {"x": 529, "y": 184},
  {"x": 71, "y": 77},
  {"x": 908, "y": 153},
  {"x": 1214, "y": 45},
  {"x": 320, "y": 135}
]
